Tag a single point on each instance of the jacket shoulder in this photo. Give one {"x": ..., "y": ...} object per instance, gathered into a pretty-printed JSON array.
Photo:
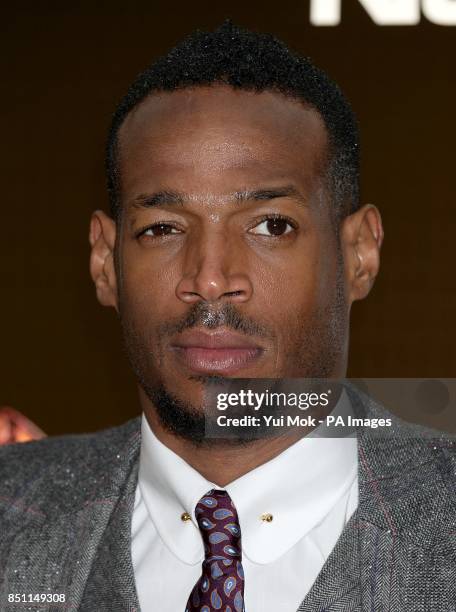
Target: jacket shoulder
[{"x": 49, "y": 473}]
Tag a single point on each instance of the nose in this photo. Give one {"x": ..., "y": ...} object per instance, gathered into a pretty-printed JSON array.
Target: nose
[{"x": 214, "y": 269}]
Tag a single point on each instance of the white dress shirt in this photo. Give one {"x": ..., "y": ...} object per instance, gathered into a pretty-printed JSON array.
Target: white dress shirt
[{"x": 311, "y": 490}]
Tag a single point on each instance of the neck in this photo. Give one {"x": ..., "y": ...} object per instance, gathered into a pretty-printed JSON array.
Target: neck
[{"x": 222, "y": 462}]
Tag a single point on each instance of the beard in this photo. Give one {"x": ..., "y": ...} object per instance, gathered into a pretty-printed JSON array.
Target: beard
[
  {"x": 313, "y": 354},
  {"x": 199, "y": 425}
]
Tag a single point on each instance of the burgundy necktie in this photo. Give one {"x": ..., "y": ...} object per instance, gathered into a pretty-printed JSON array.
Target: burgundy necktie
[{"x": 221, "y": 586}]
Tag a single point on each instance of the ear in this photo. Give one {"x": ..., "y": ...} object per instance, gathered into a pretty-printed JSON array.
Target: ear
[
  {"x": 361, "y": 239},
  {"x": 102, "y": 238}
]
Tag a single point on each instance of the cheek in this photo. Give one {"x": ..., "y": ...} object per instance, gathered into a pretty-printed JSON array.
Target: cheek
[
  {"x": 295, "y": 281},
  {"x": 146, "y": 288}
]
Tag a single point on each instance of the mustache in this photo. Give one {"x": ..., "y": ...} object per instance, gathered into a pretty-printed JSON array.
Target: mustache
[{"x": 210, "y": 316}]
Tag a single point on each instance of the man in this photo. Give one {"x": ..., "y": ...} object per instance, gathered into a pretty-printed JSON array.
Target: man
[{"x": 235, "y": 247}]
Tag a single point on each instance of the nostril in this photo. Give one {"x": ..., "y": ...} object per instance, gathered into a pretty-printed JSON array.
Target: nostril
[{"x": 233, "y": 293}]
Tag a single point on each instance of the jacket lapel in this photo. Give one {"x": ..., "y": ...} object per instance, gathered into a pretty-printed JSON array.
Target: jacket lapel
[
  {"x": 337, "y": 586},
  {"x": 356, "y": 573},
  {"x": 111, "y": 583}
]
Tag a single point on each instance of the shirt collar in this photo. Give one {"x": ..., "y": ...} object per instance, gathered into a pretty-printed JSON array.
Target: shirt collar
[
  {"x": 298, "y": 488},
  {"x": 169, "y": 487}
]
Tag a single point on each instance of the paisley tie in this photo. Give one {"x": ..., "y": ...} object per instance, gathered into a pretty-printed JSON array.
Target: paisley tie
[{"x": 221, "y": 586}]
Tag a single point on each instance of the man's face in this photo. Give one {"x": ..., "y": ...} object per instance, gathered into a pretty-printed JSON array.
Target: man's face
[
  {"x": 227, "y": 263},
  {"x": 227, "y": 260}
]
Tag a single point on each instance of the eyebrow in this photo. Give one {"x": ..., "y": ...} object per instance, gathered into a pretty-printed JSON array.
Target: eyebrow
[
  {"x": 287, "y": 191},
  {"x": 159, "y": 198},
  {"x": 169, "y": 197}
]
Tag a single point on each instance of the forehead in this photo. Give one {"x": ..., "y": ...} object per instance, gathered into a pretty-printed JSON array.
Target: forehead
[{"x": 212, "y": 137}]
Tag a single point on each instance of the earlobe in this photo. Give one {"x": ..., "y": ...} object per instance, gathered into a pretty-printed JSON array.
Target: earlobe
[
  {"x": 361, "y": 238},
  {"x": 102, "y": 238}
]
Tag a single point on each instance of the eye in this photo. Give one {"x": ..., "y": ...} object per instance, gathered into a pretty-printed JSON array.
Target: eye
[
  {"x": 273, "y": 226},
  {"x": 159, "y": 229}
]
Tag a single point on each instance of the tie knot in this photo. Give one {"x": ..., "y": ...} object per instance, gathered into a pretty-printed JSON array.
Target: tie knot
[{"x": 219, "y": 525}]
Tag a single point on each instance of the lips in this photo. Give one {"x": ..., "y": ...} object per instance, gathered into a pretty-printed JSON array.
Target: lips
[{"x": 220, "y": 352}]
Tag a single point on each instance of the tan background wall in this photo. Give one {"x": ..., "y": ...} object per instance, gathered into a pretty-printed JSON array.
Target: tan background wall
[{"x": 63, "y": 70}]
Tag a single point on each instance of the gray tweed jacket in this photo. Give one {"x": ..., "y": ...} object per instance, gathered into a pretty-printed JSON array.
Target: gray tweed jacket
[{"x": 66, "y": 506}]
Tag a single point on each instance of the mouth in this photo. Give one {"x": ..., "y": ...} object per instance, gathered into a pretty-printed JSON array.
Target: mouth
[{"x": 220, "y": 352}]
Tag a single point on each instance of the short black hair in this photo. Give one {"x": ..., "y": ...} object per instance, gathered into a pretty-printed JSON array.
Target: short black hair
[{"x": 255, "y": 62}]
